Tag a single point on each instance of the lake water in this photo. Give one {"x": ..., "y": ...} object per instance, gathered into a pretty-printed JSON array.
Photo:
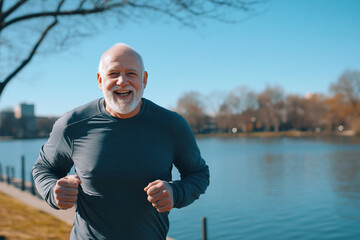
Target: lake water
[{"x": 262, "y": 188}]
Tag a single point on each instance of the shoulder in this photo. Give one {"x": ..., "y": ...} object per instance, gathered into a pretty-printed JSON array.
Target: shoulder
[
  {"x": 162, "y": 114},
  {"x": 168, "y": 118},
  {"x": 80, "y": 113}
]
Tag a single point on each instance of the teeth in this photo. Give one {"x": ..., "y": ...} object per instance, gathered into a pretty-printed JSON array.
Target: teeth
[{"x": 123, "y": 92}]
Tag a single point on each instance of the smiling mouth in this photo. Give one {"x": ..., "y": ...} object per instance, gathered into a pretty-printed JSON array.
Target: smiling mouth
[{"x": 123, "y": 93}]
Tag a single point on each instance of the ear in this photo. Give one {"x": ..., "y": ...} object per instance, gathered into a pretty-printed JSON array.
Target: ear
[
  {"x": 99, "y": 80},
  {"x": 145, "y": 79}
]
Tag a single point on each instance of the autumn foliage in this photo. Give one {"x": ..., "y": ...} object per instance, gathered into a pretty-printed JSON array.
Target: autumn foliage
[{"x": 243, "y": 110}]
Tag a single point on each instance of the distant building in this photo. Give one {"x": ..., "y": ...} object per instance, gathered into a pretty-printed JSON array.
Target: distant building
[
  {"x": 7, "y": 123},
  {"x": 24, "y": 110},
  {"x": 25, "y": 115}
]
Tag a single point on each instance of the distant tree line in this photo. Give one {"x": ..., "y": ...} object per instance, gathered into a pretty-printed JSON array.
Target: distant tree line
[{"x": 243, "y": 110}]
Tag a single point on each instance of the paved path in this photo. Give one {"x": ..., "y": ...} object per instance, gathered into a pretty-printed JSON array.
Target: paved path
[{"x": 36, "y": 202}]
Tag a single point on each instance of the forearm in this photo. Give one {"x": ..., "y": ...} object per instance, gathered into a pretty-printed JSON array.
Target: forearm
[
  {"x": 53, "y": 163},
  {"x": 193, "y": 170},
  {"x": 45, "y": 182},
  {"x": 190, "y": 187}
]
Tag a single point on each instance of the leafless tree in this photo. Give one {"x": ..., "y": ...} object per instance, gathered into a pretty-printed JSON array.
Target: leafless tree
[
  {"x": 348, "y": 85},
  {"x": 295, "y": 111},
  {"x": 344, "y": 106},
  {"x": 191, "y": 107},
  {"x": 314, "y": 112},
  {"x": 233, "y": 112},
  {"x": 240, "y": 99},
  {"x": 26, "y": 24},
  {"x": 271, "y": 103}
]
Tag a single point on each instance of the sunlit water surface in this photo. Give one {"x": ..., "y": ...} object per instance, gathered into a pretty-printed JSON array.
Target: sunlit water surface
[{"x": 261, "y": 188}]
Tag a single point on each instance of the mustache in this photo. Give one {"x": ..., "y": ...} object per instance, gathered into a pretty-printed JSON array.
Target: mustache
[{"x": 115, "y": 88}]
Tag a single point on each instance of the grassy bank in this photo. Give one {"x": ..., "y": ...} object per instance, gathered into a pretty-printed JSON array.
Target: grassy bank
[{"x": 20, "y": 222}]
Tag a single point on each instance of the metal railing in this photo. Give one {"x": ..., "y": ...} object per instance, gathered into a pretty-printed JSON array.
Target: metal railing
[{"x": 9, "y": 177}]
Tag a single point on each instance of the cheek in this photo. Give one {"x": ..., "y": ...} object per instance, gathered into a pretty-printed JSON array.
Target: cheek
[
  {"x": 137, "y": 85},
  {"x": 107, "y": 85}
]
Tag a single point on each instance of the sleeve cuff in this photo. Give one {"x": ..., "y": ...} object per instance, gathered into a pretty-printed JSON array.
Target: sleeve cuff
[
  {"x": 51, "y": 199},
  {"x": 175, "y": 192}
]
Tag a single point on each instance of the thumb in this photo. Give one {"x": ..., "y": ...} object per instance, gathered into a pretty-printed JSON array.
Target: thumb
[
  {"x": 151, "y": 184},
  {"x": 74, "y": 178}
]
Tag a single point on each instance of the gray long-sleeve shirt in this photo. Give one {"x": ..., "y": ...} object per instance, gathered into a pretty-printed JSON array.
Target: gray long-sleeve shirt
[{"x": 115, "y": 159}]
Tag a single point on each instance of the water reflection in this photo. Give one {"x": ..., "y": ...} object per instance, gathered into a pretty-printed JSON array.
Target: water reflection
[
  {"x": 346, "y": 176},
  {"x": 271, "y": 188},
  {"x": 272, "y": 168}
]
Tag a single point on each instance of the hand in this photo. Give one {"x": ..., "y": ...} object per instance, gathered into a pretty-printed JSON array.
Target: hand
[
  {"x": 65, "y": 191},
  {"x": 160, "y": 194}
]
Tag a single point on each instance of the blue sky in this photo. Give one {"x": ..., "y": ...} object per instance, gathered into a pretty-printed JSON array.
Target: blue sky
[{"x": 302, "y": 46}]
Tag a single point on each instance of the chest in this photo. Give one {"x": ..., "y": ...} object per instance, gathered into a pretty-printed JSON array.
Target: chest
[{"x": 122, "y": 157}]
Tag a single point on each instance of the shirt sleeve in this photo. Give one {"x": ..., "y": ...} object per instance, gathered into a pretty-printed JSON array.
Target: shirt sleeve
[
  {"x": 54, "y": 162},
  {"x": 194, "y": 172}
]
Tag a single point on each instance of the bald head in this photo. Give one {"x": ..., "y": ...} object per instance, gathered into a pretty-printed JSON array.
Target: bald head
[
  {"x": 115, "y": 52},
  {"x": 122, "y": 79}
]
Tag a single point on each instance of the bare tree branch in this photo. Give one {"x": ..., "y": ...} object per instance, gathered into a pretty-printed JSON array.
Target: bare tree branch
[
  {"x": 78, "y": 11},
  {"x": 52, "y": 14},
  {"x": 27, "y": 60},
  {"x": 10, "y": 10},
  {"x": 1, "y": 4},
  {"x": 33, "y": 51},
  {"x": 81, "y": 4},
  {"x": 164, "y": 11},
  {"x": 182, "y": 11}
]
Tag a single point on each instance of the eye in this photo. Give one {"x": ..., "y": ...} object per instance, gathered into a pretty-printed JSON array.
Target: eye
[
  {"x": 113, "y": 74},
  {"x": 131, "y": 74}
]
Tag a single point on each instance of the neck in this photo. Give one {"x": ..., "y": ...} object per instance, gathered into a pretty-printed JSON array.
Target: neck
[{"x": 121, "y": 115}]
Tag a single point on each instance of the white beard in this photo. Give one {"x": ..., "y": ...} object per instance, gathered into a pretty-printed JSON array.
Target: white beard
[{"x": 122, "y": 106}]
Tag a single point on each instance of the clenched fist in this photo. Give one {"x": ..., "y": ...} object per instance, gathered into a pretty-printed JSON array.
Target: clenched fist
[
  {"x": 66, "y": 191},
  {"x": 160, "y": 194}
]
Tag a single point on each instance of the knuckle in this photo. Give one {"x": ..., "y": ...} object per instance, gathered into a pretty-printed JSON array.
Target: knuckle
[
  {"x": 57, "y": 192},
  {"x": 61, "y": 181}
]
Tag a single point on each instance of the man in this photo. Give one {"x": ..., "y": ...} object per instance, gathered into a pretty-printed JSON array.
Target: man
[{"x": 123, "y": 148}]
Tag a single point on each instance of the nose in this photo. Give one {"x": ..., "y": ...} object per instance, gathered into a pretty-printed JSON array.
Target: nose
[{"x": 121, "y": 80}]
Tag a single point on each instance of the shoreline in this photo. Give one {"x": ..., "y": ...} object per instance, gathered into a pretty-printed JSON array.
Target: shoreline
[
  {"x": 293, "y": 133},
  {"x": 5, "y": 138},
  {"x": 278, "y": 134}
]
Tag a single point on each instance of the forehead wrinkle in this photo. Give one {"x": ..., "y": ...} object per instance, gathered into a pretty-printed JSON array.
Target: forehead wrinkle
[
  {"x": 120, "y": 50},
  {"x": 117, "y": 65},
  {"x": 111, "y": 62}
]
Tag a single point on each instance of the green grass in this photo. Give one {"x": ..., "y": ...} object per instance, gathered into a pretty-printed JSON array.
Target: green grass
[{"x": 19, "y": 222}]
